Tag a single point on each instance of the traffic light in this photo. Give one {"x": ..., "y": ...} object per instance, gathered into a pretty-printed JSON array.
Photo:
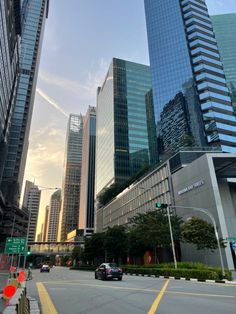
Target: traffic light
[
  {"x": 161, "y": 205},
  {"x": 28, "y": 251}
]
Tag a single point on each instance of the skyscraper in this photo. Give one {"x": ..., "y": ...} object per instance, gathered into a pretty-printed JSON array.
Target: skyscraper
[
  {"x": 225, "y": 31},
  {"x": 55, "y": 204},
  {"x": 45, "y": 225},
  {"x": 32, "y": 197},
  {"x": 184, "y": 58},
  {"x": 69, "y": 215},
  {"x": 33, "y": 16},
  {"x": 86, "y": 208},
  {"x": 10, "y": 31},
  {"x": 122, "y": 139}
]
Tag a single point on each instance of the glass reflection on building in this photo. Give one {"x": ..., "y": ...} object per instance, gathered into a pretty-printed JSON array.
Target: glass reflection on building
[
  {"x": 225, "y": 31},
  {"x": 33, "y": 16},
  {"x": 122, "y": 142},
  {"x": 184, "y": 58}
]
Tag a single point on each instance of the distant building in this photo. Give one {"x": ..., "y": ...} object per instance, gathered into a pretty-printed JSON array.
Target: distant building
[
  {"x": 224, "y": 26},
  {"x": 122, "y": 138},
  {"x": 69, "y": 215},
  {"x": 32, "y": 197},
  {"x": 184, "y": 57},
  {"x": 45, "y": 225},
  {"x": 86, "y": 209},
  {"x": 55, "y": 205}
]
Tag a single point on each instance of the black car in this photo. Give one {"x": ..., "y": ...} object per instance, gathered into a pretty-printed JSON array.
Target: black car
[
  {"x": 45, "y": 268},
  {"x": 108, "y": 271}
]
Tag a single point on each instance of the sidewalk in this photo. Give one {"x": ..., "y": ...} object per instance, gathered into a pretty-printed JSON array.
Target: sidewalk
[{"x": 3, "y": 281}]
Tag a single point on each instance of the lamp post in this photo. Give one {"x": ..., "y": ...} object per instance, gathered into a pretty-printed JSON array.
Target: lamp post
[{"x": 206, "y": 212}]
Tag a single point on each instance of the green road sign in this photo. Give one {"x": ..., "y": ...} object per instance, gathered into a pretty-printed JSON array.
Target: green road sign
[
  {"x": 15, "y": 245},
  {"x": 230, "y": 239}
]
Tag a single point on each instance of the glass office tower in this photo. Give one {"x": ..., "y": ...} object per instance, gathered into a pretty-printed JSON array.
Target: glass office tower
[
  {"x": 33, "y": 16},
  {"x": 55, "y": 205},
  {"x": 187, "y": 73},
  {"x": 10, "y": 30},
  {"x": 69, "y": 215},
  {"x": 122, "y": 139},
  {"x": 225, "y": 31},
  {"x": 86, "y": 206}
]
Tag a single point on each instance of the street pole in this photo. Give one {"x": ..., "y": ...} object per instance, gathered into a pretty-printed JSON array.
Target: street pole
[
  {"x": 171, "y": 236},
  {"x": 205, "y": 211},
  {"x": 26, "y": 240},
  {"x": 12, "y": 232}
]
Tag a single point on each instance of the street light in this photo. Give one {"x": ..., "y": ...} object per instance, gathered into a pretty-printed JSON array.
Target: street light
[
  {"x": 205, "y": 211},
  {"x": 162, "y": 206}
]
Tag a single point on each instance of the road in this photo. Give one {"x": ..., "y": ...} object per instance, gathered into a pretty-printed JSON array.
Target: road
[{"x": 67, "y": 291}]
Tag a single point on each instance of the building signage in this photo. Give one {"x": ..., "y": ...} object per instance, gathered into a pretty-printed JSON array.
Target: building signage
[{"x": 191, "y": 187}]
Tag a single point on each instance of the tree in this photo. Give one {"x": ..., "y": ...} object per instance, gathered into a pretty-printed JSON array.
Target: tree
[
  {"x": 200, "y": 233},
  {"x": 116, "y": 243},
  {"x": 94, "y": 248},
  {"x": 77, "y": 254},
  {"x": 153, "y": 229}
]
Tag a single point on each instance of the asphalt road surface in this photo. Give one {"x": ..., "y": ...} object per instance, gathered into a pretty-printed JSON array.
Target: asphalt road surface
[{"x": 67, "y": 291}]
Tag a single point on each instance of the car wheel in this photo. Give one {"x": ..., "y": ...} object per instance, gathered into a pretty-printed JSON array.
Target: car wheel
[
  {"x": 120, "y": 278},
  {"x": 104, "y": 277}
]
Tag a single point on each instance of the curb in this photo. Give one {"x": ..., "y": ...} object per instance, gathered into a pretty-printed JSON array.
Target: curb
[{"x": 183, "y": 278}]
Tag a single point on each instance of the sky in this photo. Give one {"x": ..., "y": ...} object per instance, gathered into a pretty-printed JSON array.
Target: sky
[{"x": 81, "y": 38}]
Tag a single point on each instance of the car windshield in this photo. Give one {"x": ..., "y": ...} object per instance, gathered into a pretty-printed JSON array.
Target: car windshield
[{"x": 112, "y": 265}]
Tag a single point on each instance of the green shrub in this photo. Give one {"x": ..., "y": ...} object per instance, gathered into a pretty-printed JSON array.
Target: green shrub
[{"x": 201, "y": 274}]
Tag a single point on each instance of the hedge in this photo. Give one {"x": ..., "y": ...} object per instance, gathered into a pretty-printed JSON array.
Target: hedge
[{"x": 201, "y": 274}]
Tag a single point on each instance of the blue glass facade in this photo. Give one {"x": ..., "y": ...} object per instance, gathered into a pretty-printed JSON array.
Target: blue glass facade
[
  {"x": 225, "y": 31},
  {"x": 122, "y": 144},
  {"x": 184, "y": 58},
  {"x": 34, "y": 13}
]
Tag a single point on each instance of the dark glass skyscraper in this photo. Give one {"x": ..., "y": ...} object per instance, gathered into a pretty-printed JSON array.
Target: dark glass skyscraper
[
  {"x": 86, "y": 206},
  {"x": 185, "y": 60},
  {"x": 69, "y": 215},
  {"x": 10, "y": 30},
  {"x": 33, "y": 15},
  {"x": 225, "y": 31},
  {"x": 122, "y": 137}
]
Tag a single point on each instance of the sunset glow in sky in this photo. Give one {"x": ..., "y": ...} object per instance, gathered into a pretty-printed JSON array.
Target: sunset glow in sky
[{"x": 80, "y": 39}]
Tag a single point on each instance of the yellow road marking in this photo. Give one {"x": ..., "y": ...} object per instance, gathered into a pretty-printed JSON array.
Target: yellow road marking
[
  {"x": 46, "y": 302},
  {"x": 202, "y": 294},
  {"x": 140, "y": 289},
  {"x": 158, "y": 298}
]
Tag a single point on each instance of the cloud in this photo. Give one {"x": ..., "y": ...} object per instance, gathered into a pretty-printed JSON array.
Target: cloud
[
  {"x": 85, "y": 90},
  {"x": 46, "y": 155},
  {"x": 51, "y": 101}
]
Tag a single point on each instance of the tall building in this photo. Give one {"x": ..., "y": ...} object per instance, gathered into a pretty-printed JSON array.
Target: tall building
[
  {"x": 184, "y": 58},
  {"x": 122, "y": 139},
  {"x": 32, "y": 197},
  {"x": 10, "y": 31},
  {"x": 86, "y": 208},
  {"x": 45, "y": 225},
  {"x": 33, "y": 16},
  {"x": 55, "y": 204},
  {"x": 225, "y": 31},
  {"x": 69, "y": 215}
]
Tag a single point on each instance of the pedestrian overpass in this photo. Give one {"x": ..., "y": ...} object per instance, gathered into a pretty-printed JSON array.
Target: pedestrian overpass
[{"x": 53, "y": 248}]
